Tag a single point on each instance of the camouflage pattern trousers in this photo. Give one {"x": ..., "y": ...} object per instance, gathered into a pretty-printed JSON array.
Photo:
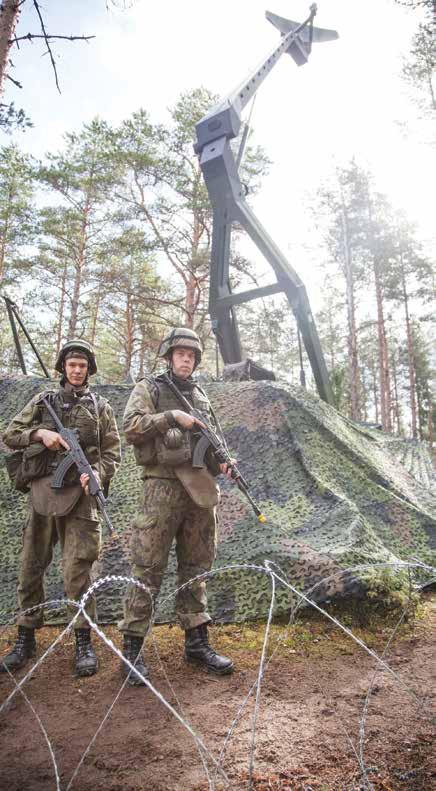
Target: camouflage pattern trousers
[
  {"x": 169, "y": 513},
  {"x": 79, "y": 538}
]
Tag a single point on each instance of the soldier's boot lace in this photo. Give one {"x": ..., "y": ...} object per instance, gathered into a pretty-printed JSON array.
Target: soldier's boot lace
[
  {"x": 24, "y": 649},
  {"x": 199, "y": 652},
  {"x": 86, "y": 660},
  {"x": 132, "y": 645}
]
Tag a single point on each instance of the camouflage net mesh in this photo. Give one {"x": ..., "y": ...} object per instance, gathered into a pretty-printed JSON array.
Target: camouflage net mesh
[{"x": 335, "y": 494}]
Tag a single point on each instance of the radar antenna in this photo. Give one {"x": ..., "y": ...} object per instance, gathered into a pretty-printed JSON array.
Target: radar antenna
[{"x": 227, "y": 194}]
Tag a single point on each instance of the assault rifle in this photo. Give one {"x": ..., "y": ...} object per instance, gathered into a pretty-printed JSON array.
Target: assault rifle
[
  {"x": 210, "y": 439},
  {"x": 76, "y": 456}
]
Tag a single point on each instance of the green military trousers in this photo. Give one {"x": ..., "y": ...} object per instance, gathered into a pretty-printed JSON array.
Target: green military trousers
[
  {"x": 169, "y": 513},
  {"x": 79, "y": 537}
]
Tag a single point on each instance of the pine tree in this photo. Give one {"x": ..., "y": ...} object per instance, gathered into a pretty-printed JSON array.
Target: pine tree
[
  {"x": 343, "y": 205},
  {"x": 418, "y": 68},
  {"x": 17, "y": 213},
  {"x": 132, "y": 301},
  {"x": 164, "y": 191},
  {"x": 409, "y": 283},
  {"x": 17, "y": 234},
  {"x": 77, "y": 233}
]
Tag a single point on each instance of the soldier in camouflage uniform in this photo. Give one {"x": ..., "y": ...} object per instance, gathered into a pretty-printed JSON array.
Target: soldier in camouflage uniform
[
  {"x": 179, "y": 504},
  {"x": 69, "y": 515}
]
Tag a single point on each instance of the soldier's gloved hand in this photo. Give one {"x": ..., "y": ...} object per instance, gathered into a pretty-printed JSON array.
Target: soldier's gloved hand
[
  {"x": 51, "y": 439},
  {"x": 226, "y": 469},
  {"x": 185, "y": 420}
]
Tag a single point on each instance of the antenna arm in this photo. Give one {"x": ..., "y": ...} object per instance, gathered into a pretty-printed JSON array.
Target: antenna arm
[{"x": 224, "y": 120}]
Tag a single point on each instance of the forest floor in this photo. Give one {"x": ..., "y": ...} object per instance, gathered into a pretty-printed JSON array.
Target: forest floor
[{"x": 310, "y": 713}]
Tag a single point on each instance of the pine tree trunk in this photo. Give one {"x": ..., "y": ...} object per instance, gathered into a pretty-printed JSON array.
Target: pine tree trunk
[
  {"x": 410, "y": 354},
  {"x": 191, "y": 298},
  {"x": 353, "y": 361},
  {"x": 79, "y": 266},
  {"x": 142, "y": 350},
  {"x": 93, "y": 331},
  {"x": 332, "y": 344},
  {"x": 3, "y": 250},
  {"x": 61, "y": 311},
  {"x": 374, "y": 389},
  {"x": 190, "y": 301},
  {"x": 419, "y": 414},
  {"x": 396, "y": 403},
  {"x": 385, "y": 385},
  {"x": 129, "y": 339},
  {"x": 9, "y": 13},
  {"x": 4, "y": 236}
]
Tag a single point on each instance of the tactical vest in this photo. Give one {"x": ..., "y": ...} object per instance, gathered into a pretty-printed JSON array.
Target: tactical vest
[
  {"x": 78, "y": 413},
  {"x": 157, "y": 459}
]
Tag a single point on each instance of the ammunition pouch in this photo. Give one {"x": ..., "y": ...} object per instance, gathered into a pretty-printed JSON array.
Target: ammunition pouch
[
  {"x": 173, "y": 456},
  {"x": 25, "y": 466},
  {"x": 145, "y": 454},
  {"x": 14, "y": 463},
  {"x": 148, "y": 453}
]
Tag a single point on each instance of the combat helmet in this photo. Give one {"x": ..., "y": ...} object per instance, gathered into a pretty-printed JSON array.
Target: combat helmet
[
  {"x": 182, "y": 336},
  {"x": 80, "y": 346}
]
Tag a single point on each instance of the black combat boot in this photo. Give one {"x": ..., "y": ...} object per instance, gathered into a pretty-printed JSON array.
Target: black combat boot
[
  {"x": 132, "y": 645},
  {"x": 24, "y": 649},
  {"x": 199, "y": 652},
  {"x": 86, "y": 660}
]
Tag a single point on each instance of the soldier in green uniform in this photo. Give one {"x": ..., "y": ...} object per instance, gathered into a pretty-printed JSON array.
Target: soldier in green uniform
[
  {"x": 179, "y": 504},
  {"x": 69, "y": 515}
]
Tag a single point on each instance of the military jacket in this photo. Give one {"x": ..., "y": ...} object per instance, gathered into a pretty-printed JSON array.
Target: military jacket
[
  {"x": 148, "y": 418},
  {"x": 91, "y": 415}
]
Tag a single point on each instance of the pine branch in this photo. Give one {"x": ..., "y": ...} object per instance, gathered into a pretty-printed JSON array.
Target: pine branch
[{"x": 18, "y": 84}]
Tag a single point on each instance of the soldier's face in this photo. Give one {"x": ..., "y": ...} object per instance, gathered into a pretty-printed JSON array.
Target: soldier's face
[
  {"x": 76, "y": 369},
  {"x": 183, "y": 361}
]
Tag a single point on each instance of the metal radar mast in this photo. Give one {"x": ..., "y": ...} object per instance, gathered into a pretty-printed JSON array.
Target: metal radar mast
[{"x": 227, "y": 195}]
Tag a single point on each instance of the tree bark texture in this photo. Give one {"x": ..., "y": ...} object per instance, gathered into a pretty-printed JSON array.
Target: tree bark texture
[
  {"x": 95, "y": 313},
  {"x": 396, "y": 404},
  {"x": 79, "y": 267},
  {"x": 60, "y": 320},
  {"x": 353, "y": 360},
  {"x": 374, "y": 388},
  {"x": 385, "y": 384},
  {"x": 130, "y": 335},
  {"x": 9, "y": 13},
  {"x": 3, "y": 241},
  {"x": 410, "y": 353}
]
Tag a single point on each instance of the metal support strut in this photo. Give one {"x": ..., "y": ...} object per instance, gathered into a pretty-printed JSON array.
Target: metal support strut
[
  {"x": 227, "y": 195},
  {"x": 14, "y": 315}
]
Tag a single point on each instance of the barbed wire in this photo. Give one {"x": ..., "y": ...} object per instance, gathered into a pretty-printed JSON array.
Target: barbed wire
[
  {"x": 361, "y": 755},
  {"x": 276, "y": 576},
  {"x": 41, "y": 726}
]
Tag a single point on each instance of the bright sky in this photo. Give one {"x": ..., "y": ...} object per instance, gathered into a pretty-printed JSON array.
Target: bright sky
[{"x": 348, "y": 100}]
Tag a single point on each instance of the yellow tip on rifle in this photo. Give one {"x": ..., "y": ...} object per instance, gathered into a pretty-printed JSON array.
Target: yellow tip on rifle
[{"x": 261, "y": 518}]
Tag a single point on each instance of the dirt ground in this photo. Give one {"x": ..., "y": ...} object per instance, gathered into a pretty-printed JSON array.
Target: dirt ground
[{"x": 308, "y": 726}]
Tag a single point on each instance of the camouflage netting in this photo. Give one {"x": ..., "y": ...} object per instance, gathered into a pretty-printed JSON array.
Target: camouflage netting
[{"x": 334, "y": 494}]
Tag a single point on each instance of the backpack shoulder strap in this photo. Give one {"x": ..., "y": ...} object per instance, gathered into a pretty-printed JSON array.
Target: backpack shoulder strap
[{"x": 152, "y": 387}]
